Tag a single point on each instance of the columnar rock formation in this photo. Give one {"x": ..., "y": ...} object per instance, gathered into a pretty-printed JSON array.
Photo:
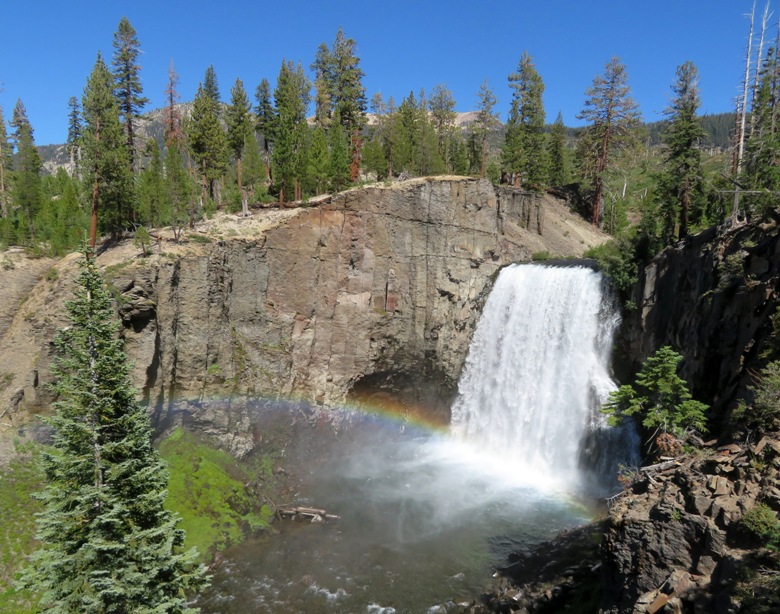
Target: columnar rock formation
[{"x": 380, "y": 284}]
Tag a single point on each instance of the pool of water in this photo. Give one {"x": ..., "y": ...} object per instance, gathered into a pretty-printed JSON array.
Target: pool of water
[{"x": 424, "y": 520}]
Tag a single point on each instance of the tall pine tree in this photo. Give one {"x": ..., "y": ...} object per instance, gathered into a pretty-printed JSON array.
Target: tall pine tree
[
  {"x": 127, "y": 84},
  {"x": 614, "y": 118},
  {"x": 26, "y": 188},
  {"x": 681, "y": 190},
  {"x": 108, "y": 543},
  {"x": 266, "y": 122},
  {"x": 6, "y": 166},
  {"x": 239, "y": 122},
  {"x": 75, "y": 129},
  {"x": 292, "y": 99},
  {"x": 524, "y": 155},
  {"x": 487, "y": 119},
  {"x": 556, "y": 153},
  {"x": 207, "y": 141},
  {"x": 106, "y": 163}
]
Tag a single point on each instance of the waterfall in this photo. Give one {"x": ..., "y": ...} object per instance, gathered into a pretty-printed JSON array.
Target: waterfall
[{"x": 537, "y": 372}]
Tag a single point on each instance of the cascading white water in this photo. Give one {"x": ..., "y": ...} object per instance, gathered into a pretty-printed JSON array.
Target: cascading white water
[{"x": 537, "y": 369}]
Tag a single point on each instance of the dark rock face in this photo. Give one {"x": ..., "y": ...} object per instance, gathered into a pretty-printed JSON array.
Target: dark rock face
[
  {"x": 710, "y": 297},
  {"x": 676, "y": 532}
]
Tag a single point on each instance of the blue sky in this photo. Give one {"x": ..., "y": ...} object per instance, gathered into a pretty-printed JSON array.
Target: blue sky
[{"x": 49, "y": 47}]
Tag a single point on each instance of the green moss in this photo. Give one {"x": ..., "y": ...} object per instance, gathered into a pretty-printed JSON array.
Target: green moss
[
  {"x": 18, "y": 481},
  {"x": 208, "y": 490}
]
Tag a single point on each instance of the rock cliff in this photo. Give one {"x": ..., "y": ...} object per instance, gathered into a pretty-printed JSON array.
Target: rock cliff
[
  {"x": 711, "y": 297},
  {"x": 375, "y": 290}
]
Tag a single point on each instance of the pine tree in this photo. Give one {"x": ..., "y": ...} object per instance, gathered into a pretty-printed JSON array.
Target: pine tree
[
  {"x": 681, "y": 190},
  {"x": 239, "y": 127},
  {"x": 211, "y": 88},
  {"x": 6, "y": 166},
  {"x": 559, "y": 171},
  {"x": 253, "y": 167},
  {"x": 318, "y": 160},
  {"x": 341, "y": 75},
  {"x": 207, "y": 141},
  {"x": 266, "y": 121},
  {"x": 26, "y": 185},
  {"x": 180, "y": 190},
  {"x": 75, "y": 129},
  {"x": 614, "y": 118},
  {"x": 442, "y": 107},
  {"x": 108, "y": 543},
  {"x": 292, "y": 99},
  {"x": 487, "y": 119},
  {"x": 524, "y": 155},
  {"x": 63, "y": 218},
  {"x": 323, "y": 87},
  {"x": 106, "y": 163},
  {"x": 152, "y": 197},
  {"x": 127, "y": 83}
]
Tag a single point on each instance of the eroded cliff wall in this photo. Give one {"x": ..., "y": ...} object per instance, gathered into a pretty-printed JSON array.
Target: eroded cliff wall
[{"x": 379, "y": 284}]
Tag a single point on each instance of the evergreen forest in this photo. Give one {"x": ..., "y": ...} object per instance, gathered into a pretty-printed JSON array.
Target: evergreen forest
[{"x": 316, "y": 130}]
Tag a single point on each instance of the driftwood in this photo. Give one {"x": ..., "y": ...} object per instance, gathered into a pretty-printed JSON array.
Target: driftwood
[{"x": 311, "y": 514}]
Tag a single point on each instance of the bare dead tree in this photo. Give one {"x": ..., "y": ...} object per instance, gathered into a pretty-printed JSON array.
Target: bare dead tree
[{"x": 742, "y": 114}]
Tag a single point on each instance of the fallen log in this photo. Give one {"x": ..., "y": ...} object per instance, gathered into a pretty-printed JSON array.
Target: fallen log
[{"x": 311, "y": 514}]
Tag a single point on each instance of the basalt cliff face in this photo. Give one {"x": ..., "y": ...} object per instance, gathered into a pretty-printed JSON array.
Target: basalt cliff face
[
  {"x": 711, "y": 297},
  {"x": 373, "y": 292}
]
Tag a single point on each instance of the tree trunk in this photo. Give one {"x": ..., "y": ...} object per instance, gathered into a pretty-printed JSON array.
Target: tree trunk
[
  {"x": 685, "y": 204},
  {"x": 94, "y": 219}
]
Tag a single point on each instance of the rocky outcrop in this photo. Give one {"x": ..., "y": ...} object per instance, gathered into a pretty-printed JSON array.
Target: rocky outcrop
[
  {"x": 381, "y": 284},
  {"x": 676, "y": 537},
  {"x": 711, "y": 297}
]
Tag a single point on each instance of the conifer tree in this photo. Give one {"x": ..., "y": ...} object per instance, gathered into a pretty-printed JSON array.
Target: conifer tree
[
  {"x": 108, "y": 543},
  {"x": 63, "y": 219},
  {"x": 152, "y": 197},
  {"x": 106, "y": 163},
  {"x": 524, "y": 155},
  {"x": 75, "y": 129},
  {"x": 127, "y": 84},
  {"x": 207, "y": 141},
  {"x": 681, "y": 182},
  {"x": 559, "y": 172},
  {"x": 239, "y": 121},
  {"x": 6, "y": 166},
  {"x": 318, "y": 161},
  {"x": 266, "y": 121},
  {"x": 253, "y": 167},
  {"x": 292, "y": 99},
  {"x": 180, "y": 190},
  {"x": 341, "y": 75},
  {"x": 211, "y": 88},
  {"x": 614, "y": 118},
  {"x": 26, "y": 184},
  {"x": 323, "y": 86},
  {"x": 442, "y": 107},
  {"x": 487, "y": 119}
]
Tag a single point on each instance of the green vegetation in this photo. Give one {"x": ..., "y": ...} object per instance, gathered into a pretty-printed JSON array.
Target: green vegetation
[
  {"x": 106, "y": 541},
  {"x": 659, "y": 398},
  {"x": 18, "y": 481},
  {"x": 761, "y": 521},
  {"x": 208, "y": 490}
]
